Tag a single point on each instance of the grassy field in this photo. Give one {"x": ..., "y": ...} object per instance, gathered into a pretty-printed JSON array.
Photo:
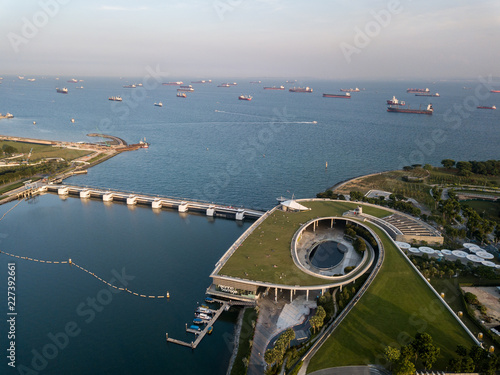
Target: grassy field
[
  {"x": 491, "y": 210},
  {"x": 442, "y": 176},
  {"x": 270, "y": 245},
  {"x": 44, "y": 151},
  {"x": 397, "y": 305}
]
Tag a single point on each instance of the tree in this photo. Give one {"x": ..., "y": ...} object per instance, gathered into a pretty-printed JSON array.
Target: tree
[
  {"x": 448, "y": 163},
  {"x": 425, "y": 349},
  {"x": 359, "y": 245},
  {"x": 9, "y": 150},
  {"x": 404, "y": 367},
  {"x": 391, "y": 355},
  {"x": 356, "y": 195}
]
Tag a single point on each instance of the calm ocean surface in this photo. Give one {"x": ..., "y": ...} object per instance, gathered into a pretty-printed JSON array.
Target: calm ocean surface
[{"x": 209, "y": 146}]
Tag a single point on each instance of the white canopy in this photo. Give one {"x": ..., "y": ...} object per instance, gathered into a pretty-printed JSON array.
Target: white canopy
[{"x": 293, "y": 205}]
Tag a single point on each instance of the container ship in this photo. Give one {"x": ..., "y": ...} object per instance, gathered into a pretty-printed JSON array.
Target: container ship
[
  {"x": 64, "y": 90},
  {"x": 350, "y": 90},
  {"x": 115, "y": 98},
  {"x": 395, "y": 101},
  {"x": 495, "y": 91},
  {"x": 178, "y": 83},
  {"x": 486, "y": 107},
  {"x": 427, "y": 111},
  {"x": 245, "y": 97},
  {"x": 342, "y": 96},
  {"x": 275, "y": 88},
  {"x": 427, "y": 94},
  {"x": 301, "y": 89},
  {"x": 414, "y": 91}
]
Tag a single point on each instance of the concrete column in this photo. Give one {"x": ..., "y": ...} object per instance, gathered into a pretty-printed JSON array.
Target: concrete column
[
  {"x": 275, "y": 294},
  {"x": 341, "y": 288},
  {"x": 291, "y": 291},
  {"x": 331, "y": 223},
  {"x": 307, "y": 294}
]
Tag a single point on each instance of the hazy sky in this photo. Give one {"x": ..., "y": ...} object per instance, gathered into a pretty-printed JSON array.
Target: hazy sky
[{"x": 252, "y": 38}]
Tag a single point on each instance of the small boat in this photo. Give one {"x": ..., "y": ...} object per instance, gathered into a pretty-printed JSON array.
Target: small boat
[
  {"x": 79, "y": 87},
  {"x": 64, "y": 90},
  {"x": 194, "y": 328},
  {"x": 160, "y": 104},
  {"x": 245, "y": 97},
  {"x": 495, "y": 91},
  {"x": 203, "y": 310},
  {"x": 20, "y": 77},
  {"x": 168, "y": 294},
  {"x": 210, "y": 330},
  {"x": 486, "y": 107},
  {"x": 73, "y": 120},
  {"x": 115, "y": 98},
  {"x": 145, "y": 144},
  {"x": 203, "y": 316},
  {"x": 198, "y": 321},
  {"x": 181, "y": 95},
  {"x": 209, "y": 300},
  {"x": 31, "y": 79},
  {"x": 204, "y": 306}
]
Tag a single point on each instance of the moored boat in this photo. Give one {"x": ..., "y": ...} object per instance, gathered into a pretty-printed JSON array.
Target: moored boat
[
  {"x": 198, "y": 321},
  {"x": 341, "y": 96},
  {"x": 486, "y": 107},
  {"x": 186, "y": 89},
  {"x": 427, "y": 94},
  {"x": 417, "y": 90},
  {"x": 395, "y": 101},
  {"x": 224, "y": 85},
  {"x": 245, "y": 97},
  {"x": 194, "y": 328},
  {"x": 178, "y": 83},
  {"x": 129, "y": 86},
  {"x": 428, "y": 111},
  {"x": 209, "y": 300},
  {"x": 274, "y": 88},
  {"x": 210, "y": 330},
  {"x": 350, "y": 90},
  {"x": 204, "y": 310},
  {"x": 203, "y": 316},
  {"x": 301, "y": 89}
]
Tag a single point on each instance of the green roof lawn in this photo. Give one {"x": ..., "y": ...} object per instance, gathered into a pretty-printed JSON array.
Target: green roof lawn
[
  {"x": 397, "y": 305},
  {"x": 270, "y": 245}
]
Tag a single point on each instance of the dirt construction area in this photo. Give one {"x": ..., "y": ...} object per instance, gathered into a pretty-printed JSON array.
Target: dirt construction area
[{"x": 489, "y": 297}]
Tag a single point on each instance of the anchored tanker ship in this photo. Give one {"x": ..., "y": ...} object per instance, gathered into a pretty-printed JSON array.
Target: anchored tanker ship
[{"x": 427, "y": 111}]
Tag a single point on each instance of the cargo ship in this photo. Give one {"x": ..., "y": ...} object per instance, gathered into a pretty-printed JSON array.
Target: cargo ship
[
  {"x": 224, "y": 85},
  {"x": 485, "y": 107},
  {"x": 495, "y": 91},
  {"x": 395, "y": 101},
  {"x": 186, "y": 89},
  {"x": 350, "y": 90},
  {"x": 342, "y": 96},
  {"x": 160, "y": 104},
  {"x": 31, "y": 79},
  {"x": 427, "y": 94},
  {"x": 64, "y": 90},
  {"x": 181, "y": 95},
  {"x": 417, "y": 90},
  {"x": 115, "y": 98},
  {"x": 301, "y": 89},
  {"x": 275, "y": 88},
  {"x": 129, "y": 86},
  {"x": 202, "y": 81},
  {"x": 245, "y": 97},
  {"x": 72, "y": 80},
  {"x": 254, "y": 82},
  {"x": 7, "y": 115},
  {"x": 178, "y": 83},
  {"x": 427, "y": 111}
]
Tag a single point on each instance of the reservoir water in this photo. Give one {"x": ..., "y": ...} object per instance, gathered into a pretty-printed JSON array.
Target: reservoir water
[{"x": 208, "y": 146}]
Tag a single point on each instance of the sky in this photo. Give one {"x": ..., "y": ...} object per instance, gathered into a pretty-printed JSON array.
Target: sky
[{"x": 327, "y": 39}]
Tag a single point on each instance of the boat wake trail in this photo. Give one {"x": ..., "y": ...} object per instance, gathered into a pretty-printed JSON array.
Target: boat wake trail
[{"x": 267, "y": 118}]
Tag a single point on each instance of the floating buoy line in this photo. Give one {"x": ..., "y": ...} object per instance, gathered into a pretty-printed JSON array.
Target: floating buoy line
[{"x": 72, "y": 263}]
